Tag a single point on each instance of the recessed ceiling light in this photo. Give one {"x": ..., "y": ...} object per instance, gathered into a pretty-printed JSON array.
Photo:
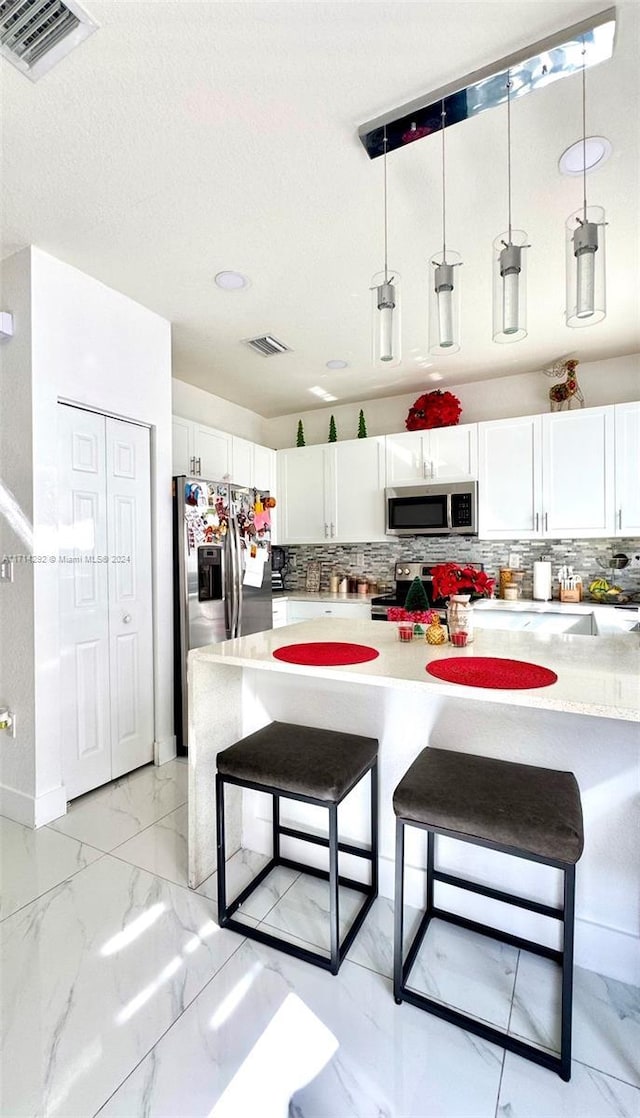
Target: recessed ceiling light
[
  {"x": 598, "y": 150},
  {"x": 337, "y": 364},
  {"x": 231, "y": 281}
]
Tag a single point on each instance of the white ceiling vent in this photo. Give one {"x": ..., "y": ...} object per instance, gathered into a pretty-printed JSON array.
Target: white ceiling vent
[
  {"x": 36, "y": 34},
  {"x": 267, "y": 345}
]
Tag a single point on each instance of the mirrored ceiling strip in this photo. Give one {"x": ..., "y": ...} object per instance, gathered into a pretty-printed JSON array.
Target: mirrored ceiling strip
[{"x": 531, "y": 68}]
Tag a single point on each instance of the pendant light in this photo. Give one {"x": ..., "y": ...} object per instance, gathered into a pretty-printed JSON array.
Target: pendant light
[
  {"x": 385, "y": 317},
  {"x": 585, "y": 271},
  {"x": 444, "y": 299},
  {"x": 509, "y": 267}
]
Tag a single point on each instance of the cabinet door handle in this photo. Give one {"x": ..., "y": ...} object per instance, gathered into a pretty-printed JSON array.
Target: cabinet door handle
[
  {"x": 619, "y": 518},
  {"x": 537, "y": 522},
  {"x": 546, "y": 521},
  {"x": 199, "y": 467},
  {"x": 191, "y": 466},
  {"x": 332, "y": 532},
  {"x": 326, "y": 531}
]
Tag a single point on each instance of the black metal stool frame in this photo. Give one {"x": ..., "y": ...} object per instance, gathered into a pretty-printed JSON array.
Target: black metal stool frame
[
  {"x": 335, "y": 879},
  {"x": 402, "y": 967}
]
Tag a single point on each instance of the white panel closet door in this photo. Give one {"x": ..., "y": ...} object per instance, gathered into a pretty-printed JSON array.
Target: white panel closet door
[
  {"x": 130, "y": 618},
  {"x": 84, "y": 602}
]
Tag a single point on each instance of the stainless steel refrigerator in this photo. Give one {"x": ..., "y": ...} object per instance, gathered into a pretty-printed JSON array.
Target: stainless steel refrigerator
[{"x": 222, "y": 572}]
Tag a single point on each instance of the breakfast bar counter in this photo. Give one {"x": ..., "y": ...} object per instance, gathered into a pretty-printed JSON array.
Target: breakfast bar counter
[{"x": 585, "y": 722}]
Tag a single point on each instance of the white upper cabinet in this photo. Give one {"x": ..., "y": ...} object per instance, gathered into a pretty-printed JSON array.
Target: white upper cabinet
[
  {"x": 183, "y": 453},
  {"x": 213, "y": 453},
  {"x": 577, "y": 473},
  {"x": 333, "y": 491},
  {"x": 264, "y": 468},
  {"x": 303, "y": 481},
  {"x": 242, "y": 464},
  {"x": 406, "y": 458},
  {"x": 357, "y": 496},
  {"x": 440, "y": 454},
  {"x": 547, "y": 476},
  {"x": 627, "y": 471},
  {"x": 510, "y": 478}
]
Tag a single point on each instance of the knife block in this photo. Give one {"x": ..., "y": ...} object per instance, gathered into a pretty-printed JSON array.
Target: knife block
[{"x": 571, "y": 595}]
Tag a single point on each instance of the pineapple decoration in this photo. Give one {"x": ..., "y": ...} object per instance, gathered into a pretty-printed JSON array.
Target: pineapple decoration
[
  {"x": 435, "y": 632},
  {"x": 300, "y": 435}
]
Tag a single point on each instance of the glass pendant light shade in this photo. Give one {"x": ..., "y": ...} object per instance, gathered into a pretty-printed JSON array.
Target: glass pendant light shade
[
  {"x": 444, "y": 303},
  {"x": 510, "y": 286},
  {"x": 385, "y": 319},
  {"x": 586, "y": 295}
]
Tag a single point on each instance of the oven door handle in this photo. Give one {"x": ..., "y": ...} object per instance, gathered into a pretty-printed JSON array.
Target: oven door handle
[{"x": 449, "y": 524}]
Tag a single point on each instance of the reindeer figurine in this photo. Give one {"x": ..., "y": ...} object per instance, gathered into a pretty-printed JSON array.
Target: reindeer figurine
[{"x": 562, "y": 395}]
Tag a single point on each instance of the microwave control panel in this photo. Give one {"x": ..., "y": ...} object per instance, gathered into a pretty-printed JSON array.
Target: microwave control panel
[{"x": 461, "y": 515}]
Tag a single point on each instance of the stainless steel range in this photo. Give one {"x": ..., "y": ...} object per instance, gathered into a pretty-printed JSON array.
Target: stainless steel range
[{"x": 404, "y": 576}]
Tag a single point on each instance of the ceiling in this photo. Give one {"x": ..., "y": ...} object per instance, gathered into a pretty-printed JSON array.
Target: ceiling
[{"x": 184, "y": 138}]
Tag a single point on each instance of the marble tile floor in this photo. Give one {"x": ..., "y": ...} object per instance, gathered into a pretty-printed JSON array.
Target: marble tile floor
[{"x": 121, "y": 996}]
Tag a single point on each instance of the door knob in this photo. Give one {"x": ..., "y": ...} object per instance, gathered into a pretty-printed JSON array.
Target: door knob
[{"x": 127, "y": 618}]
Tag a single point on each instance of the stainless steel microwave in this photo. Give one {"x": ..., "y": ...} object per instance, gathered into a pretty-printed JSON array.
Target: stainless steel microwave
[{"x": 433, "y": 510}]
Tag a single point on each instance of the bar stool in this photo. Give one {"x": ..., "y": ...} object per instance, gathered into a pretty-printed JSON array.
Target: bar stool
[
  {"x": 531, "y": 813},
  {"x": 316, "y": 767}
]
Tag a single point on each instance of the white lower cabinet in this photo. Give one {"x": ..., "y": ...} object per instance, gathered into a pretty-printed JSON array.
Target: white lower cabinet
[
  {"x": 547, "y": 476},
  {"x": 280, "y": 613},
  {"x": 306, "y": 611},
  {"x": 333, "y": 491}
]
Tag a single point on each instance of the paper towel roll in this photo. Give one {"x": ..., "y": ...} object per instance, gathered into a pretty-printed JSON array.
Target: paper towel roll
[{"x": 542, "y": 580}]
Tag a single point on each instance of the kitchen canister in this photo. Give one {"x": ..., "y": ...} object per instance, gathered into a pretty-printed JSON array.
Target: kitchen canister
[{"x": 542, "y": 580}]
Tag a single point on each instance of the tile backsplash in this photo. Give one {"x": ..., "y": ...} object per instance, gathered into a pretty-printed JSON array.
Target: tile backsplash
[{"x": 380, "y": 558}]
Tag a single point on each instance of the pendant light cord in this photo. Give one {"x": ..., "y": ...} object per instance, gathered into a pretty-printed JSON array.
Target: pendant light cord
[
  {"x": 386, "y": 267},
  {"x": 509, "y": 146},
  {"x": 444, "y": 192},
  {"x": 584, "y": 128}
]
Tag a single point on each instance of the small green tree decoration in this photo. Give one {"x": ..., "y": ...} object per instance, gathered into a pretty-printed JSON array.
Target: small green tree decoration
[
  {"x": 362, "y": 427},
  {"x": 333, "y": 435},
  {"x": 417, "y": 600},
  {"x": 300, "y": 437}
]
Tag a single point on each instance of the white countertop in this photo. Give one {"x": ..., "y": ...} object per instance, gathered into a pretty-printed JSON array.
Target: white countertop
[{"x": 597, "y": 676}]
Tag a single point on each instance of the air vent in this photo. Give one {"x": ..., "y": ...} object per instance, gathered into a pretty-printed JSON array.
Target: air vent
[
  {"x": 267, "y": 345},
  {"x": 36, "y": 34}
]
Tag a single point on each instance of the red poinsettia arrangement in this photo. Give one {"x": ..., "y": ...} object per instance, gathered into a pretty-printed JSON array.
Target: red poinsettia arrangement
[
  {"x": 418, "y": 616},
  {"x": 451, "y": 578},
  {"x": 434, "y": 409}
]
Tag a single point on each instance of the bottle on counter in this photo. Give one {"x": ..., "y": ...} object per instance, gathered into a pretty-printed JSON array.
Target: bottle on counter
[
  {"x": 343, "y": 585},
  {"x": 334, "y": 582},
  {"x": 363, "y": 585}
]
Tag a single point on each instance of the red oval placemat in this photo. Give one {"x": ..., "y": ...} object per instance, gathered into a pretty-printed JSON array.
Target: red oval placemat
[
  {"x": 491, "y": 671},
  {"x": 330, "y": 653}
]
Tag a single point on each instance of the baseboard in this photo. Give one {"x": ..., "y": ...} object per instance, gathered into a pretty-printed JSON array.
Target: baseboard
[
  {"x": 164, "y": 750},
  {"x": 32, "y": 811},
  {"x": 17, "y": 806}
]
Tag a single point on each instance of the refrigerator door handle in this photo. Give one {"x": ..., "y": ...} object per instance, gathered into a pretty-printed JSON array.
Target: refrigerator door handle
[
  {"x": 226, "y": 588},
  {"x": 239, "y": 576},
  {"x": 233, "y": 582}
]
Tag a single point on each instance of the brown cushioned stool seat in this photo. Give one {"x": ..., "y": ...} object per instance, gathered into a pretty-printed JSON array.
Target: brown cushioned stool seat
[
  {"x": 323, "y": 764},
  {"x": 531, "y": 813},
  {"x": 537, "y": 810},
  {"x": 318, "y": 767}
]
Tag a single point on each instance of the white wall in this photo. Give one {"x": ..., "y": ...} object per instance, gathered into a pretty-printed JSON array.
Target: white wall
[
  {"x": 193, "y": 403},
  {"x": 93, "y": 346},
  {"x": 17, "y": 755},
  {"x": 614, "y": 381}
]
